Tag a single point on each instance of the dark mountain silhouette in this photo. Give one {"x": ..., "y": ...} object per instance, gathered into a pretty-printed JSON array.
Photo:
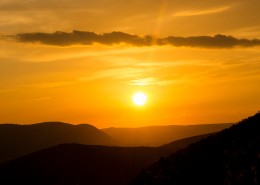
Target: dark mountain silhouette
[
  {"x": 71, "y": 164},
  {"x": 230, "y": 157},
  {"x": 160, "y": 135},
  {"x": 18, "y": 140},
  {"x": 179, "y": 144}
]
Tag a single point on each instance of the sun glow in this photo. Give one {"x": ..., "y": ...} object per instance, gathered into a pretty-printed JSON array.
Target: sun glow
[{"x": 139, "y": 98}]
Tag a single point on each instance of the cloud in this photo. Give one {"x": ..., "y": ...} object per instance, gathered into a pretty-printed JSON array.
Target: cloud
[
  {"x": 201, "y": 12},
  {"x": 218, "y": 41},
  {"x": 153, "y": 81},
  {"x": 119, "y": 73},
  {"x": 84, "y": 38},
  {"x": 144, "y": 81},
  {"x": 89, "y": 38}
]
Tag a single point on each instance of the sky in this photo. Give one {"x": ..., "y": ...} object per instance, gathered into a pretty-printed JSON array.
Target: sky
[{"x": 81, "y": 61}]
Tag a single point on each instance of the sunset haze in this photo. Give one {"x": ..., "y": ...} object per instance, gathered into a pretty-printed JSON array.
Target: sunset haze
[{"x": 81, "y": 61}]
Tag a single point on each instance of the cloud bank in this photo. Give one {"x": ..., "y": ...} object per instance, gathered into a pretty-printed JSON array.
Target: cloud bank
[
  {"x": 201, "y": 12},
  {"x": 88, "y": 38}
]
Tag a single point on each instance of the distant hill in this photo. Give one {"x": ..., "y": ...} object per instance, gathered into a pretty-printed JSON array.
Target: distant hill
[
  {"x": 18, "y": 140},
  {"x": 71, "y": 164},
  {"x": 230, "y": 157},
  {"x": 160, "y": 135},
  {"x": 179, "y": 144}
]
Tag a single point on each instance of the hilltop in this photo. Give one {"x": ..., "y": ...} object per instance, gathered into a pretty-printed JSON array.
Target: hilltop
[
  {"x": 230, "y": 157},
  {"x": 18, "y": 140},
  {"x": 160, "y": 135}
]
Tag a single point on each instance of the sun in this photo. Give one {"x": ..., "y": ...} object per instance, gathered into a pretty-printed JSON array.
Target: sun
[{"x": 139, "y": 98}]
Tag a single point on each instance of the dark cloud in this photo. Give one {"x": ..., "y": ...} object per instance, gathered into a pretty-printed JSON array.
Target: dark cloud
[
  {"x": 88, "y": 38},
  {"x": 218, "y": 41},
  {"x": 84, "y": 38}
]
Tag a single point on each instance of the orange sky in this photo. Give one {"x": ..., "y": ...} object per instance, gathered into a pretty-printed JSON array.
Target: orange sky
[{"x": 87, "y": 76}]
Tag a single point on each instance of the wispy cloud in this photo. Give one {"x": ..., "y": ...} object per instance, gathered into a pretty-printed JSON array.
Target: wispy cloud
[
  {"x": 143, "y": 82},
  {"x": 153, "y": 81},
  {"x": 120, "y": 73},
  {"x": 89, "y": 38},
  {"x": 41, "y": 85},
  {"x": 201, "y": 12}
]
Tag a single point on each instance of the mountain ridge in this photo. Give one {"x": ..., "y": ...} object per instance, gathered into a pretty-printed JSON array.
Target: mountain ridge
[
  {"x": 229, "y": 157},
  {"x": 17, "y": 140},
  {"x": 68, "y": 164},
  {"x": 144, "y": 136}
]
